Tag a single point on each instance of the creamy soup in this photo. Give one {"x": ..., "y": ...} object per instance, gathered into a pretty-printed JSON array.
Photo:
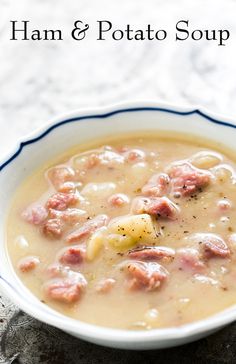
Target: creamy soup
[{"x": 133, "y": 232}]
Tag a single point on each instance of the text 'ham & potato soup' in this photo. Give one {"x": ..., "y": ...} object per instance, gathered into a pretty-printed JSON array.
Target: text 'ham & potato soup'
[{"x": 134, "y": 232}]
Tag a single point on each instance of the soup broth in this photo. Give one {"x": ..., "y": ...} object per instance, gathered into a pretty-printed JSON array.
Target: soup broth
[{"x": 134, "y": 232}]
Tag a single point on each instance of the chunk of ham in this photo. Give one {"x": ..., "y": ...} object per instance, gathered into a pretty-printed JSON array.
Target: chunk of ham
[
  {"x": 162, "y": 207},
  {"x": 157, "y": 185},
  {"x": 187, "y": 179},
  {"x": 213, "y": 246},
  {"x": 106, "y": 158},
  {"x": 53, "y": 228},
  {"x": 156, "y": 206},
  {"x": 57, "y": 270},
  {"x": 60, "y": 175},
  {"x": 87, "y": 228},
  {"x": 148, "y": 276},
  {"x": 67, "y": 290},
  {"x": 118, "y": 200},
  {"x": 189, "y": 260},
  {"x": 73, "y": 255},
  {"x": 61, "y": 201},
  {"x": 152, "y": 253},
  {"x": 67, "y": 187},
  {"x": 134, "y": 155},
  {"x": 105, "y": 285},
  {"x": 224, "y": 205},
  {"x": 101, "y": 158},
  {"x": 28, "y": 264},
  {"x": 209, "y": 245},
  {"x": 35, "y": 214},
  {"x": 69, "y": 216}
]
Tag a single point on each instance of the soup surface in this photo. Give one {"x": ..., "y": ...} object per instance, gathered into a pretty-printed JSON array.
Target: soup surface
[{"x": 134, "y": 232}]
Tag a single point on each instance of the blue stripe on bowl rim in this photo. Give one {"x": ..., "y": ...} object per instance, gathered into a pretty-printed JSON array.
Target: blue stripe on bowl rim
[{"x": 107, "y": 115}]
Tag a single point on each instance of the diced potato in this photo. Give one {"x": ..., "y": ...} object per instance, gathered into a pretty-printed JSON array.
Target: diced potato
[
  {"x": 81, "y": 161},
  {"x": 232, "y": 242},
  {"x": 21, "y": 243},
  {"x": 206, "y": 159},
  {"x": 120, "y": 241},
  {"x": 140, "y": 170},
  {"x": 138, "y": 227},
  {"x": 223, "y": 173},
  {"x": 100, "y": 190},
  {"x": 95, "y": 243},
  {"x": 152, "y": 316}
]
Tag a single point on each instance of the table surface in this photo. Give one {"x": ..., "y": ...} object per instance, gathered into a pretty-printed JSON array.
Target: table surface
[{"x": 39, "y": 80}]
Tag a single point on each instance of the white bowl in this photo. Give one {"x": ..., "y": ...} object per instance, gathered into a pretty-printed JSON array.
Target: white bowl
[{"x": 73, "y": 129}]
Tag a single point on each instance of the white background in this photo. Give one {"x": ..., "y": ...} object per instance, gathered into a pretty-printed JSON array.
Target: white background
[{"x": 40, "y": 79}]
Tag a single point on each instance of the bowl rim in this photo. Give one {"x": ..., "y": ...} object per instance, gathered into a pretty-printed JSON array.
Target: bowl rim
[
  {"x": 106, "y": 112},
  {"x": 90, "y": 331}
]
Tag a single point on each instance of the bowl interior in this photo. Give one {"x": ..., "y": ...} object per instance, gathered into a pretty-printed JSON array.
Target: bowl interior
[{"x": 75, "y": 130}]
